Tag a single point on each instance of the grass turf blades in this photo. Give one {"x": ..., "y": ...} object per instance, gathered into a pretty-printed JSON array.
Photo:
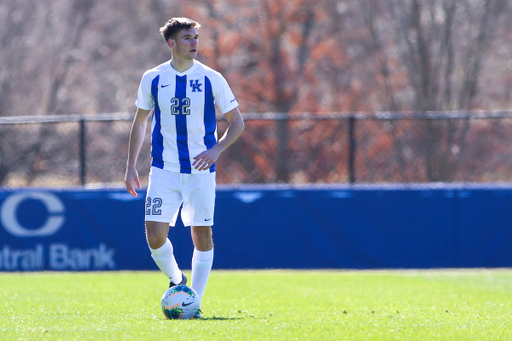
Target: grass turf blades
[{"x": 262, "y": 305}]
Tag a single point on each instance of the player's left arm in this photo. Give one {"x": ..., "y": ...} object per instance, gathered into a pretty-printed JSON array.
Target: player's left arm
[{"x": 236, "y": 127}]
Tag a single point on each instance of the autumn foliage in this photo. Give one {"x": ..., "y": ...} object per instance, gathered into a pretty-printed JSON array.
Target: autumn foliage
[{"x": 287, "y": 57}]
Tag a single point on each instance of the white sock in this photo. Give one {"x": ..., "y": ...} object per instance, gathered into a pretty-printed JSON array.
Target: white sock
[
  {"x": 202, "y": 262},
  {"x": 164, "y": 258}
]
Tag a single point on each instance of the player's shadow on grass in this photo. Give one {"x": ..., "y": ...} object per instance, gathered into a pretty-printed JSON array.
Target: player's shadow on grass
[{"x": 220, "y": 318}]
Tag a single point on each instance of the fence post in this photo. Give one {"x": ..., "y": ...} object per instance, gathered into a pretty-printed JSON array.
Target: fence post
[
  {"x": 351, "y": 149},
  {"x": 82, "y": 152}
]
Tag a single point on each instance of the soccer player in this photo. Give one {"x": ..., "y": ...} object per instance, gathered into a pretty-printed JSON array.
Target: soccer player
[{"x": 181, "y": 94}]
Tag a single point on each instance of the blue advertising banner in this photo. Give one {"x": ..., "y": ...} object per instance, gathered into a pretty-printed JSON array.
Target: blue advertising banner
[
  {"x": 351, "y": 227},
  {"x": 71, "y": 230}
]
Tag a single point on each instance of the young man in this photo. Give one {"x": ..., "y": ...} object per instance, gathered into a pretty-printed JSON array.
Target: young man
[{"x": 181, "y": 94}]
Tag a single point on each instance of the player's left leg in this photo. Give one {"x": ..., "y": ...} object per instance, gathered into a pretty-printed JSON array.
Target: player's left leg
[
  {"x": 197, "y": 212},
  {"x": 202, "y": 259}
]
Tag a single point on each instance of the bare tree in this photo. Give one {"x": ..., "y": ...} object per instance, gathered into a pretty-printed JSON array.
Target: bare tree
[{"x": 442, "y": 56}]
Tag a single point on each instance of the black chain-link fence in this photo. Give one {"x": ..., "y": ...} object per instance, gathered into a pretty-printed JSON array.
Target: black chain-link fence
[{"x": 60, "y": 151}]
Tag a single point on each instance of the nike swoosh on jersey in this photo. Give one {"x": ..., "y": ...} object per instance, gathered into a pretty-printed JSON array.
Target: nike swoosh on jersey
[{"x": 163, "y": 86}]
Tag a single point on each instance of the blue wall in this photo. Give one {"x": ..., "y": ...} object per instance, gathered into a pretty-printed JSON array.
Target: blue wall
[{"x": 352, "y": 227}]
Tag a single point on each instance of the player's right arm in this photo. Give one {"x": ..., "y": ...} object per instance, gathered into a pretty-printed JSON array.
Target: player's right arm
[{"x": 137, "y": 133}]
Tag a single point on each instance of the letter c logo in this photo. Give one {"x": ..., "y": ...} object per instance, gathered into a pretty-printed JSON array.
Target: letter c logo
[{"x": 53, "y": 223}]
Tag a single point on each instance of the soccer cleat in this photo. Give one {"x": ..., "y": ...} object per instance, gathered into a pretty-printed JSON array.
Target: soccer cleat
[
  {"x": 183, "y": 281},
  {"x": 197, "y": 315}
]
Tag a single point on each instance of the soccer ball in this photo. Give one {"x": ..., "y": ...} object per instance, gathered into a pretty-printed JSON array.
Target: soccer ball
[{"x": 180, "y": 302}]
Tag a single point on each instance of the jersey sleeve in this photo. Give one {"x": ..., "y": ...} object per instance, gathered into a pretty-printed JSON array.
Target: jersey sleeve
[
  {"x": 145, "y": 98},
  {"x": 224, "y": 97}
]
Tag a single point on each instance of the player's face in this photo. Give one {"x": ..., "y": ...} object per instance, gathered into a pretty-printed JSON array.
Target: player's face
[{"x": 186, "y": 44}]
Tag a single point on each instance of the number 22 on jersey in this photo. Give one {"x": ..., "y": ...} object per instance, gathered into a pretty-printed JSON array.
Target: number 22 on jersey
[{"x": 180, "y": 106}]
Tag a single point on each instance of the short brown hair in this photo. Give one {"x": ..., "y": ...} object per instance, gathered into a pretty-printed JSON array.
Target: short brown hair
[{"x": 174, "y": 25}]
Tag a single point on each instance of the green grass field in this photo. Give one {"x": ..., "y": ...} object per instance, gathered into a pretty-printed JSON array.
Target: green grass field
[{"x": 262, "y": 305}]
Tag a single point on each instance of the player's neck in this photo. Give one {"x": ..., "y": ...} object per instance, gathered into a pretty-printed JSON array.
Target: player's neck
[{"x": 181, "y": 65}]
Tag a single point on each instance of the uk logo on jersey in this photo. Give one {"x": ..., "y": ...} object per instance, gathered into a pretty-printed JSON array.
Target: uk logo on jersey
[{"x": 195, "y": 85}]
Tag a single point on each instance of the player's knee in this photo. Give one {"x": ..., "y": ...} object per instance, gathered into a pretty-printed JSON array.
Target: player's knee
[
  {"x": 202, "y": 238},
  {"x": 155, "y": 235},
  {"x": 154, "y": 241},
  {"x": 204, "y": 245}
]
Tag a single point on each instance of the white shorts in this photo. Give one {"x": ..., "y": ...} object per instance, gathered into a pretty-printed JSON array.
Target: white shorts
[{"x": 167, "y": 191}]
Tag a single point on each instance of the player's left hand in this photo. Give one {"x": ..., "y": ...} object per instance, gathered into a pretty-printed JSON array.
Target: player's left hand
[{"x": 206, "y": 159}]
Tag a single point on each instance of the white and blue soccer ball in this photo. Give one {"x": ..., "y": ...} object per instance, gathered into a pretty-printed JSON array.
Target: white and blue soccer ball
[{"x": 181, "y": 302}]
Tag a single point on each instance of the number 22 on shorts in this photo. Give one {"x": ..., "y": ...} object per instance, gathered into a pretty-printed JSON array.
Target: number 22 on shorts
[{"x": 153, "y": 206}]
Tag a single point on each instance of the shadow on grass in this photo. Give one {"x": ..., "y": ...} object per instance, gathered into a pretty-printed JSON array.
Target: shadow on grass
[{"x": 220, "y": 318}]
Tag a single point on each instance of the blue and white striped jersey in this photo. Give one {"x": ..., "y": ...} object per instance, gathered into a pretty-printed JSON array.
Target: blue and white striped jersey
[{"x": 184, "y": 123}]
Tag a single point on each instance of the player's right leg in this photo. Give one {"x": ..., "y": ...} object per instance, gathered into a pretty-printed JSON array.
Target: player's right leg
[
  {"x": 162, "y": 252},
  {"x": 163, "y": 201},
  {"x": 156, "y": 233}
]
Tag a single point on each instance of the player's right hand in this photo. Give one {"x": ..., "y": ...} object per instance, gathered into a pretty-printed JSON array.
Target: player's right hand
[{"x": 132, "y": 177}]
